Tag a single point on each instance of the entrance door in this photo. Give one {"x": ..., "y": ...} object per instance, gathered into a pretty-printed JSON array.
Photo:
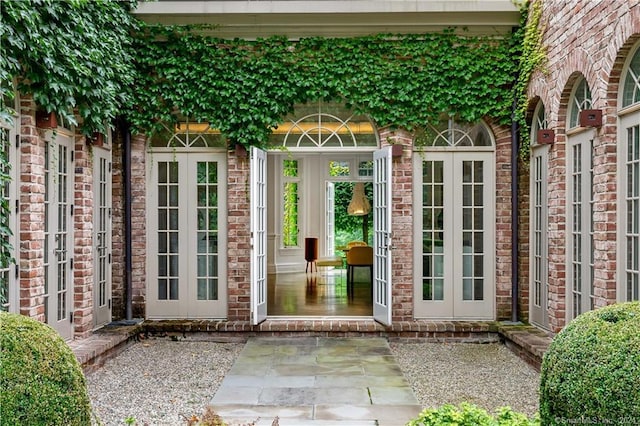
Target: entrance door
[
  {"x": 258, "y": 235},
  {"x": 187, "y": 262},
  {"x": 101, "y": 236},
  {"x": 58, "y": 249},
  {"x": 539, "y": 237},
  {"x": 455, "y": 230},
  {"x": 382, "y": 240},
  {"x": 580, "y": 243}
]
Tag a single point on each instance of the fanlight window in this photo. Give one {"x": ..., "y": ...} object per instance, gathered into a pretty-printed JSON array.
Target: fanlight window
[
  {"x": 631, "y": 90},
  {"x": 449, "y": 133},
  {"x": 539, "y": 121},
  {"x": 187, "y": 134},
  {"x": 580, "y": 100},
  {"x": 324, "y": 126}
]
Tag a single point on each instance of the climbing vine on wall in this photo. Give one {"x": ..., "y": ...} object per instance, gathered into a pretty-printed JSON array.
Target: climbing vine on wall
[
  {"x": 533, "y": 58},
  {"x": 69, "y": 56},
  {"x": 244, "y": 88}
]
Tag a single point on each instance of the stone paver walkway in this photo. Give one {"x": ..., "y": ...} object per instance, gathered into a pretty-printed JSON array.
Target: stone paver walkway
[{"x": 316, "y": 381}]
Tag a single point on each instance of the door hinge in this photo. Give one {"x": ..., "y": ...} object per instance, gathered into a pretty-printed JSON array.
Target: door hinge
[
  {"x": 71, "y": 317},
  {"x": 109, "y": 167},
  {"x": 17, "y": 272},
  {"x": 73, "y": 156},
  {"x": 71, "y": 208},
  {"x": 109, "y": 303},
  {"x": 17, "y": 206},
  {"x": 71, "y": 263},
  {"x": 17, "y": 141},
  {"x": 109, "y": 258}
]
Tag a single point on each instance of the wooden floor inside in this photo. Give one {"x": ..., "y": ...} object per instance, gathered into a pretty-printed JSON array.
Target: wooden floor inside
[{"x": 323, "y": 293}]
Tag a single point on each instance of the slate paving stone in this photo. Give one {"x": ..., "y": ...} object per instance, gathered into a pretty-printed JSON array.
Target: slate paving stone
[{"x": 316, "y": 381}]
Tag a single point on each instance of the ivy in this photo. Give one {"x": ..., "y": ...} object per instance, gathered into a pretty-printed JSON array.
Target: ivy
[
  {"x": 245, "y": 88},
  {"x": 73, "y": 56},
  {"x": 533, "y": 58}
]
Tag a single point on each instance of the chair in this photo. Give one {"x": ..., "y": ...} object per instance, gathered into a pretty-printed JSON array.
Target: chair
[
  {"x": 356, "y": 244},
  {"x": 359, "y": 256}
]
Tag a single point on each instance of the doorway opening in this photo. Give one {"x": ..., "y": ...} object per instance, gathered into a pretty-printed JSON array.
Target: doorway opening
[{"x": 316, "y": 198}]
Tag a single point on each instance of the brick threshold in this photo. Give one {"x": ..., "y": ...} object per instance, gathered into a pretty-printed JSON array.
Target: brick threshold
[{"x": 528, "y": 342}]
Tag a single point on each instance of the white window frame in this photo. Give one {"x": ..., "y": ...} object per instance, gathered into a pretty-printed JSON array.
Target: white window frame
[
  {"x": 628, "y": 116},
  {"x": 11, "y": 271},
  {"x": 539, "y": 225}
]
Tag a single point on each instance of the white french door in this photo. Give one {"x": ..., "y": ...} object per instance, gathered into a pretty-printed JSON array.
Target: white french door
[
  {"x": 258, "y": 175},
  {"x": 539, "y": 270},
  {"x": 580, "y": 231},
  {"x": 330, "y": 218},
  {"x": 58, "y": 234},
  {"x": 455, "y": 230},
  {"x": 101, "y": 236},
  {"x": 382, "y": 237},
  {"x": 187, "y": 261},
  {"x": 9, "y": 288},
  {"x": 629, "y": 205}
]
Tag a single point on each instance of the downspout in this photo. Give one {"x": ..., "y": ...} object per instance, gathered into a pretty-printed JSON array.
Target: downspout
[
  {"x": 515, "y": 150},
  {"x": 126, "y": 177}
]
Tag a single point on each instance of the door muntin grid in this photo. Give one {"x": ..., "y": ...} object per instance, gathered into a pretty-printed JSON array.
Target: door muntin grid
[
  {"x": 473, "y": 230},
  {"x": 8, "y": 281},
  {"x": 168, "y": 230},
  {"x": 632, "y": 204},
  {"x": 102, "y": 237},
  {"x": 433, "y": 241},
  {"x": 582, "y": 266},
  {"x": 539, "y": 232},
  {"x": 62, "y": 233},
  {"x": 207, "y": 235}
]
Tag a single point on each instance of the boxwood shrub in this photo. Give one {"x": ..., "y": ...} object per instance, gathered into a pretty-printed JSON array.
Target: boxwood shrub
[
  {"x": 41, "y": 382},
  {"x": 471, "y": 415},
  {"x": 591, "y": 371}
]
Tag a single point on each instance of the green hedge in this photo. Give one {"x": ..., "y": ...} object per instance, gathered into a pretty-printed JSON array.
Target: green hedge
[
  {"x": 471, "y": 415},
  {"x": 591, "y": 371},
  {"x": 41, "y": 382}
]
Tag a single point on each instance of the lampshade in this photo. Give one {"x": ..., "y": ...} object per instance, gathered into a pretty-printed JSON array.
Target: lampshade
[{"x": 359, "y": 204}]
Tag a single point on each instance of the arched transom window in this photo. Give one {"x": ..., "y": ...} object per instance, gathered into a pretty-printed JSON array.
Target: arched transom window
[
  {"x": 580, "y": 100},
  {"x": 452, "y": 134},
  {"x": 631, "y": 89},
  {"x": 188, "y": 134},
  {"x": 324, "y": 126}
]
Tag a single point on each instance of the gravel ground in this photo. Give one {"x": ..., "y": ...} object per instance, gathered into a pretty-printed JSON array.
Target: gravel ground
[
  {"x": 162, "y": 382},
  {"x": 487, "y": 375}
]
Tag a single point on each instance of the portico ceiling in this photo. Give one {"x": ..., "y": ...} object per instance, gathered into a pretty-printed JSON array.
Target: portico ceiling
[{"x": 329, "y": 18}]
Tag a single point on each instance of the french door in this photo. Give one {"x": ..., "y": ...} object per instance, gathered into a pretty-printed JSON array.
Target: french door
[
  {"x": 539, "y": 237},
  {"x": 629, "y": 259},
  {"x": 455, "y": 230},
  {"x": 58, "y": 232},
  {"x": 258, "y": 266},
  {"x": 382, "y": 236},
  {"x": 187, "y": 261},
  {"x": 580, "y": 244},
  {"x": 101, "y": 236}
]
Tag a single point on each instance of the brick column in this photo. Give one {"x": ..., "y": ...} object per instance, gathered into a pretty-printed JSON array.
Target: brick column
[
  {"x": 239, "y": 238},
  {"x": 83, "y": 239},
  {"x": 31, "y": 214},
  {"x": 401, "y": 225}
]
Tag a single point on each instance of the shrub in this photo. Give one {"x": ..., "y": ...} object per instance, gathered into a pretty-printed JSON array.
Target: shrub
[
  {"x": 591, "y": 371},
  {"x": 41, "y": 382},
  {"x": 470, "y": 415}
]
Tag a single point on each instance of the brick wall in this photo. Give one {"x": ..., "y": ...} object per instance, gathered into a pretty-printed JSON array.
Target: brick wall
[
  {"x": 83, "y": 239},
  {"x": 31, "y": 215},
  {"x": 239, "y": 242},
  {"x": 592, "y": 39}
]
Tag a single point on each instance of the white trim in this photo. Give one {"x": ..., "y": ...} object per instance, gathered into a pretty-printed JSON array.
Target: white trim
[{"x": 335, "y": 18}]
